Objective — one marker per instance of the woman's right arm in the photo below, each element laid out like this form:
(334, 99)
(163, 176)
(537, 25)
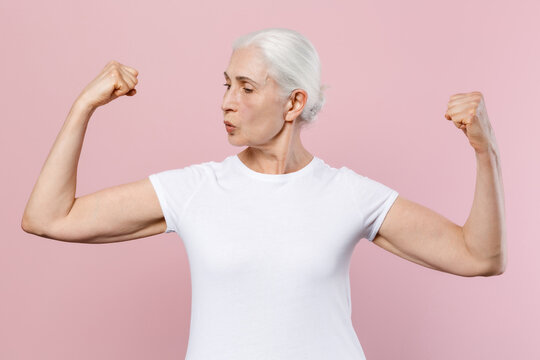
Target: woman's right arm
(118, 213)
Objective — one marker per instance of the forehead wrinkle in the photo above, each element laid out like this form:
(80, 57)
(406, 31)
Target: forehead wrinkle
(244, 78)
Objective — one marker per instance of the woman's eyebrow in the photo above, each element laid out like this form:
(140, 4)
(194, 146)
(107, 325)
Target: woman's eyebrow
(242, 78)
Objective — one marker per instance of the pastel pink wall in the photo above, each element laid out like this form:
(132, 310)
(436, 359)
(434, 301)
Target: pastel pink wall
(391, 67)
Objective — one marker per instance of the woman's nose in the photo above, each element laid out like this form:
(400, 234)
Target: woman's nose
(228, 104)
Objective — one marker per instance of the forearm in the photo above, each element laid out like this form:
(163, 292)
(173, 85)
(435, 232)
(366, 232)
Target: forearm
(485, 228)
(54, 191)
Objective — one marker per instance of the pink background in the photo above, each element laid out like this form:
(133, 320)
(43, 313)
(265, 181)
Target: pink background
(391, 67)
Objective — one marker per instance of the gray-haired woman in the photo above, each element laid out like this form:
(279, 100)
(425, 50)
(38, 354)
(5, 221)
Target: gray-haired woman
(270, 231)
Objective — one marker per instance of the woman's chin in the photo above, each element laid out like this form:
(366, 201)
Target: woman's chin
(234, 141)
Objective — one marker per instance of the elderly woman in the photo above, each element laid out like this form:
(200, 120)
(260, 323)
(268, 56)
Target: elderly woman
(269, 232)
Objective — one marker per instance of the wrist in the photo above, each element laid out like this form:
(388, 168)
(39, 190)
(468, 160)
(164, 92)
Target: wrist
(491, 149)
(490, 154)
(82, 106)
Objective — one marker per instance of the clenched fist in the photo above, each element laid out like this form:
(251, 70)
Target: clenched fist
(114, 80)
(468, 112)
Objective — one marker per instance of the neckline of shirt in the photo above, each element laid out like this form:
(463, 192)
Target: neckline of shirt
(274, 177)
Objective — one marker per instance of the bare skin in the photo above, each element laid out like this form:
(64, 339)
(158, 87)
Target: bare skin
(421, 235)
(119, 213)
(263, 121)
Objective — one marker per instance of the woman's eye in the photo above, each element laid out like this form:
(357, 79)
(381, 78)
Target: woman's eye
(246, 89)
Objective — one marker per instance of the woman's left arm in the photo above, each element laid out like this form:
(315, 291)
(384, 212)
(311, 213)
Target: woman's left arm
(485, 228)
(421, 235)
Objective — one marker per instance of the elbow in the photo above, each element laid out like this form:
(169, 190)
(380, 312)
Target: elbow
(29, 223)
(31, 227)
(494, 273)
(492, 266)
(26, 225)
(496, 268)
(44, 230)
(500, 263)
(500, 269)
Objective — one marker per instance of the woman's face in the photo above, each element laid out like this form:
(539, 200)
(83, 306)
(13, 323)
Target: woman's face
(251, 101)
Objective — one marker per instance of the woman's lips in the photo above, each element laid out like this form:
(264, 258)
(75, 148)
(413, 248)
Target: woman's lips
(229, 128)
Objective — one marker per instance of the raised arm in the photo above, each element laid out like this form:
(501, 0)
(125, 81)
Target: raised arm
(115, 214)
(478, 248)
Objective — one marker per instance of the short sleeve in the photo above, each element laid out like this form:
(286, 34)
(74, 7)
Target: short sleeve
(373, 201)
(174, 188)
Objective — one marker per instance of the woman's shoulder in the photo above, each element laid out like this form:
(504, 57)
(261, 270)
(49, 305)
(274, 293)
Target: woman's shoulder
(343, 171)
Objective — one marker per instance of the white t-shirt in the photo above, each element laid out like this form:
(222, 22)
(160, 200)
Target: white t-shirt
(269, 256)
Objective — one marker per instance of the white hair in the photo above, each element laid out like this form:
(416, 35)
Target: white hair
(292, 62)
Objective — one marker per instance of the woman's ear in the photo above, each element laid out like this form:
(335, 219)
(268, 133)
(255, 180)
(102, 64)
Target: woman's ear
(295, 104)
